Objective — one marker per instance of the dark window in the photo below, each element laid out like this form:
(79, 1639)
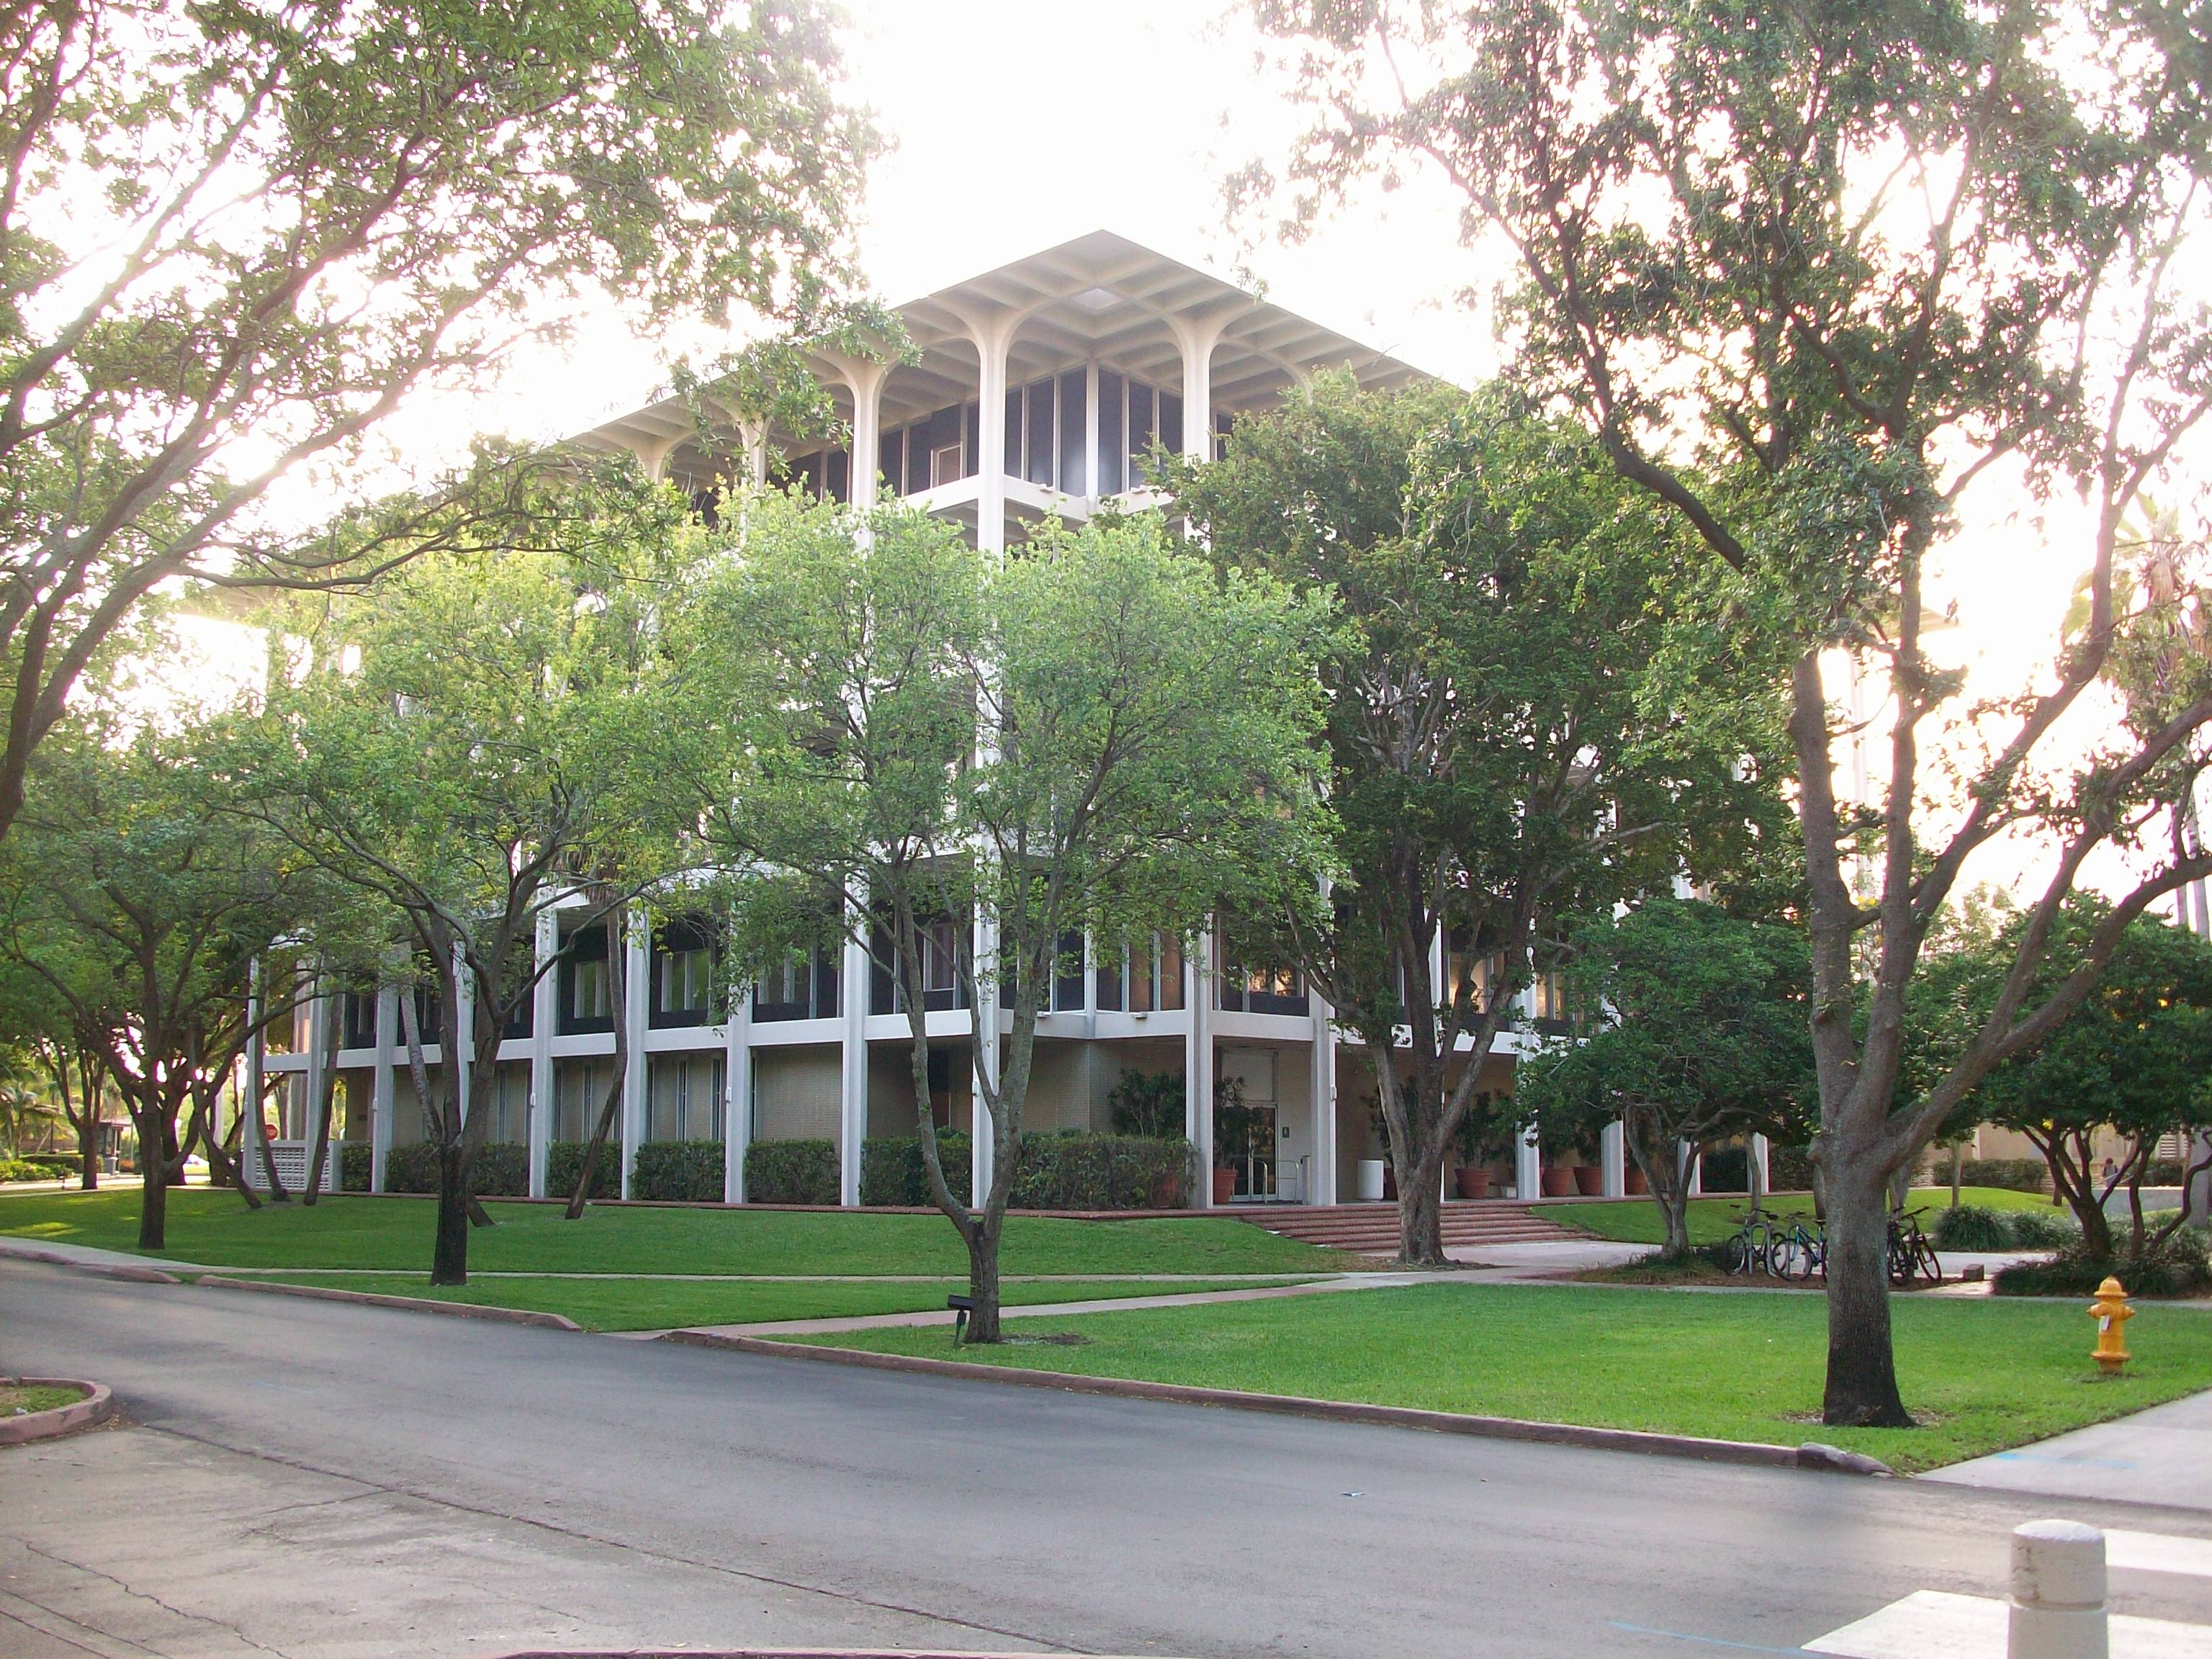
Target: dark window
(683, 970)
(1221, 421)
(429, 1018)
(1110, 454)
(1109, 984)
(1171, 423)
(586, 995)
(358, 1011)
(1073, 473)
(804, 987)
(1039, 447)
(841, 475)
(971, 440)
(1014, 433)
(1068, 975)
(1144, 423)
(520, 1017)
(806, 472)
(894, 461)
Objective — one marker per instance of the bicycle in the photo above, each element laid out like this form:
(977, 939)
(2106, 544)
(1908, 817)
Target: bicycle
(1910, 1256)
(1799, 1252)
(1752, 1248)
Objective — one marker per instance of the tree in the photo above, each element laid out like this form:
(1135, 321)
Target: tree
(1515, 736)
(1705, 1036)
(141, 909)
(462, 744)
(917, 744)
(233, 240)
(1810, 275)
(2134, 1056)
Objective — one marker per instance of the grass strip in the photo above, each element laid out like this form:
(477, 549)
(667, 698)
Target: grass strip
(600, 1304)
(1982, 1375)
(215, 1229)
(19, 1400)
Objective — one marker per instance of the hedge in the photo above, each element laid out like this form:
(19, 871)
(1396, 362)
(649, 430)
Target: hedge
(564, 1167)
(1079, 1171)
(891, 1169)
(39, 1166)
(501, 1171)
(1725, 1169)
(682, 1171)
(2019, 1175)
(1790, 1169)
(356, 1167)
(791, 1172)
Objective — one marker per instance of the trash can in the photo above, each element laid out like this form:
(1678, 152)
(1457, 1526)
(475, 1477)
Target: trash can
(1370, 1181)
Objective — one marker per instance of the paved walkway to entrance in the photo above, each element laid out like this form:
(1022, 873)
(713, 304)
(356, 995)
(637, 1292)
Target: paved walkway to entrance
(2162, 1455)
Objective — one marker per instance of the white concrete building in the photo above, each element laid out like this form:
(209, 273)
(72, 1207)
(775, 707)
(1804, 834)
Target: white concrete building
(1038, 387)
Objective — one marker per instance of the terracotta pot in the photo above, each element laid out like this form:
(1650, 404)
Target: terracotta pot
(1558, 1183)
(1589, 1180)
(1474, 1180)
(1635, 1183)
(1224, 1186)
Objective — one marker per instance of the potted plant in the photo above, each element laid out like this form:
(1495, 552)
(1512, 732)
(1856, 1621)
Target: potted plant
(1233, 1123)
(1589, 1172)
(1481, 1137)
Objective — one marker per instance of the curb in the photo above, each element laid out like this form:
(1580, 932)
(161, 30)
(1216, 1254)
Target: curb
(769, 1653)
(407, 1304)
(1810, 1456)
(97, 1406)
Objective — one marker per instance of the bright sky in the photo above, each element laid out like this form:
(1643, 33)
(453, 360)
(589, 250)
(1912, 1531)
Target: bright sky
(1019, 123)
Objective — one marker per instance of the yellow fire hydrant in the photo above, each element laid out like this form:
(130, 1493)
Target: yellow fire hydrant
(2111, 1313)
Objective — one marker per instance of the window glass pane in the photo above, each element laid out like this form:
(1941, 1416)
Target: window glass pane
(1171, 423)
(1143, 423)
(1221, 420)
(1039, 448)
(894, 464)
(841, 475)
(1110, 454)
(1072, 425)
(1014, 433)
(970, 435)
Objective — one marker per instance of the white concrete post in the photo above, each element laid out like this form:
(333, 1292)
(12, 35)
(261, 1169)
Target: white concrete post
(853, 1069)
(1613, 1158)
(544, 1015)
(321, 1010)
(1689, 1168)
(1528, 1165)
(1321, 1188)
(635, 942)
(2057, 1608)
(384, 1100)
(993, 337)
(1195, 337)
(1756, 1162)
(983, 1149)
(1198, 1065)
(865, 379)
(459, 1046)
(249, 1143)
(737, 1091)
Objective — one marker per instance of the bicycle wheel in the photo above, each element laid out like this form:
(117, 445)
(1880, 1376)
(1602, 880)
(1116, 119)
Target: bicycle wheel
(1926, 1262)
(1736, 1254)
(1782, 1258)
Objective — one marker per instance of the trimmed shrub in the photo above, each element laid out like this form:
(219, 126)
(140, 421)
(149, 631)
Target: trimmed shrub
(564, 1167)
(686, 1171)
(500, 1171)
(2019, 1175)
(2036, 1230)
(2180, 1269)
(791, 1172)
(891, 1171)
(1075, 1170)
(37, 1167)
(411, 1169)
(1790, 1169)
(1969, 1227)
(356, 1166)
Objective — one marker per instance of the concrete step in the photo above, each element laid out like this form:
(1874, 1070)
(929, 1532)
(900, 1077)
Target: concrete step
(1372, 1229)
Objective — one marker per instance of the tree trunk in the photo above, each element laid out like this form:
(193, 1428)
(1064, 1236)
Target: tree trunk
(1958, 1169)
(87, 1149)
(983, 1282)
(221, 1170)
(154, 1185)
(1420, 1211)
(326, 1095)
(449, 1260)
(1862, 1389)
(275, 1186)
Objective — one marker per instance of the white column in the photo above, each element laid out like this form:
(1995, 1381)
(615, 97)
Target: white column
(993, 337)
(544, 1014)
(1528, 1165)
(636, 945)
(2058, 1590)
(865, 379)
(983, 1155)
(1195, 337)
(1757, 1162)
(1320, 1186)
(853, 1073)
(1198, 1064)
(1613, 1158)
(1688, 1168)
(460, 1044)
(249, 1143)
(383, 1099)
(1091, 430)
(737, 1092)
(321, 1010)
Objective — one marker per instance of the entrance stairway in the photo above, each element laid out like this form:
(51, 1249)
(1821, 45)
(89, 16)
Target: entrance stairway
(1372, 1229)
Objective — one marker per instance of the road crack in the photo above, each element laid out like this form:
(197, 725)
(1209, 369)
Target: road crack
(132, 1590)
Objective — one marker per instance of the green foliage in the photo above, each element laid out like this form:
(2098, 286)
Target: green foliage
(430, 186)
(2175, 1265)
(356, 1166)
(1970, 1227)
(1078, 1171)
(893, 1174)
(791, 1172)
(2022, 1174)
(685, 1171)
(564, 1168)
(1148, 1103)
(13, 1168)
(500, 1170)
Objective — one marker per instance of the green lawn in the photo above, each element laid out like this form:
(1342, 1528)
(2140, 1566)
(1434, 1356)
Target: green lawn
(646, 1305)
(395, 1233)
(1985, 1375)
(1712, 1219)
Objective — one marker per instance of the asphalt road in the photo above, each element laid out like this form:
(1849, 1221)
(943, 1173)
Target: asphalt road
(314, 1479)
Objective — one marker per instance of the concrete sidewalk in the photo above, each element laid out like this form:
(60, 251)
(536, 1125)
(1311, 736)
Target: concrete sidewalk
(2161, 1455)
